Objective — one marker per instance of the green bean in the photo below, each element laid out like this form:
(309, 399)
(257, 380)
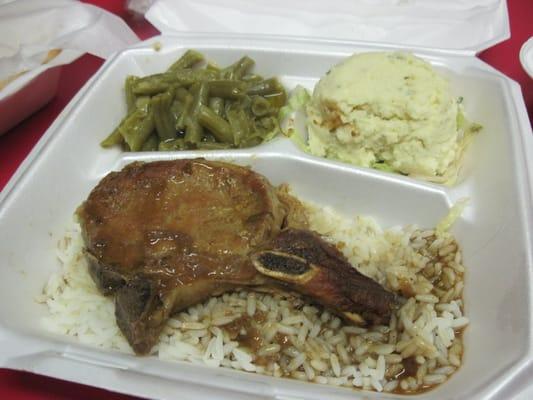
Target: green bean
(151, 144)
(164, 120)
(208, 138)
(192, 106)
(213, 67)
(227, 89)
(189, 76)
(187, 60)
(182, 93)
(218, 126)
(260, 106)
(217, 105)
(251, 141)
(188, 100)
(239, 124)
(201, 98)
(136, 128)
(243, 66)
(170, 145)
(271, 90)
(244, 103)
(276, 100)
(175, 109)
(193, 129)
(153, 84)
(267, 124)
(239, 69)
(211, 146)
(269, 86)
(252, 79)
(130, 96)
(114, 138)
(142, 103)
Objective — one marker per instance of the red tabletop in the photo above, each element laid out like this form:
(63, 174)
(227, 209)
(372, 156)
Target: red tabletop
(17, 143)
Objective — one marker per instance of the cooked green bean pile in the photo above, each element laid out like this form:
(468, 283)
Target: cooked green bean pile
(189, 107)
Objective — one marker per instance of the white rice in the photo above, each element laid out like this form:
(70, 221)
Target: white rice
(280, 335)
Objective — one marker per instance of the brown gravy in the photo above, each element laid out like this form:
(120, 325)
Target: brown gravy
(410, 369)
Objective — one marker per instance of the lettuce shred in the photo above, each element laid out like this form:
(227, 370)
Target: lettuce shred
(293, 116)
(455, 212)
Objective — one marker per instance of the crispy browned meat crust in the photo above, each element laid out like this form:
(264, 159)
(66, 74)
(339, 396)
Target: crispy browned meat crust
(302, 261)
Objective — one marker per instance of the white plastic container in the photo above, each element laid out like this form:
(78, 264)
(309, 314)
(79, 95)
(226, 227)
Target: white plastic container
(35, 94)
(526, 56)
(71, 27)
(495, 230)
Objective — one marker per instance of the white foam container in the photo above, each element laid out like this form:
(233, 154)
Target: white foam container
(73, 27)
(495, 230)
(526, 56)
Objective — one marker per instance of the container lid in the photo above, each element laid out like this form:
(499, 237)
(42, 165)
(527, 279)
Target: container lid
(457, 25)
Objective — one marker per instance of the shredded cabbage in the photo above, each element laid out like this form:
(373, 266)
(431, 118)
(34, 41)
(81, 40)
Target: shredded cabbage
(293, 117)
(455, 212)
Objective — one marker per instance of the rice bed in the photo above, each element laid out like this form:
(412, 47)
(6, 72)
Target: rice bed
(280, 335)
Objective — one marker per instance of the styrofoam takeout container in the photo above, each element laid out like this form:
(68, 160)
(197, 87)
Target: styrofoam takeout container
(526, 56)
(74, 28)
(36, 92)
(495, 230)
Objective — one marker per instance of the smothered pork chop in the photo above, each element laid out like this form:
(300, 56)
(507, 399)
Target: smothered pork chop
(165, 235)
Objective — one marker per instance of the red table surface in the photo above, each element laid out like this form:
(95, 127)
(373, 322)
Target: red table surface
(17, 143)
